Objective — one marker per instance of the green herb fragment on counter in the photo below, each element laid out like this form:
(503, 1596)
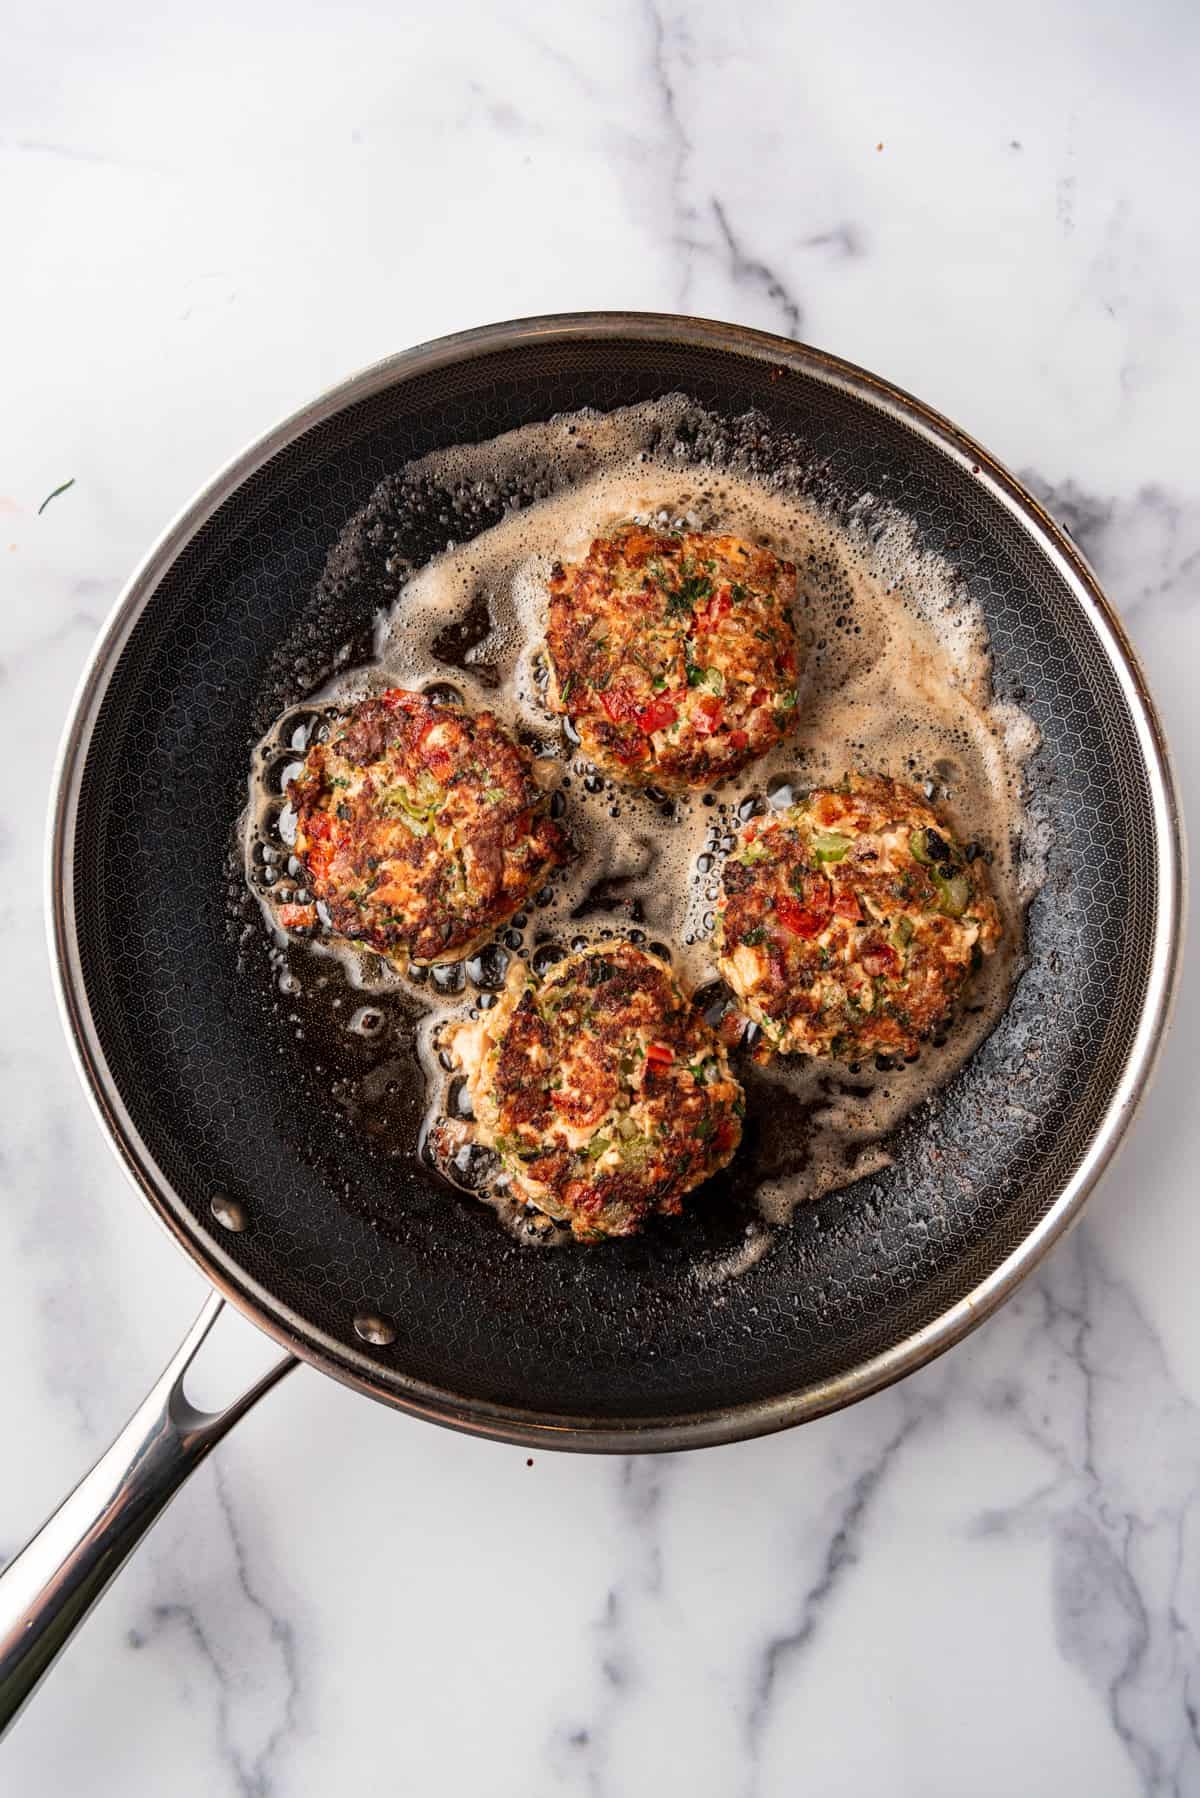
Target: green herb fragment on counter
(55, 494)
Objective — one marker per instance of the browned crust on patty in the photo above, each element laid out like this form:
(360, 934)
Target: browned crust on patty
(422, 827)
(674, 654)
(602, 1089)
(848, 923)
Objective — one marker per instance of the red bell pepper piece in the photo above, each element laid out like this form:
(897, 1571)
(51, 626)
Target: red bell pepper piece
(656, 716)
(710, 713)
(296, 917)
(798, 918)
(620, 704)
(715, 610)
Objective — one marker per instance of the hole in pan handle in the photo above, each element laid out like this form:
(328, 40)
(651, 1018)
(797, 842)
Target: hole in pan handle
(48, 1589)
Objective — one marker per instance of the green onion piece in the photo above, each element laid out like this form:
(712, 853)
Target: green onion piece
(415, 816)
(903, 932)
(829, 845)
(919, 845)
(953, 894)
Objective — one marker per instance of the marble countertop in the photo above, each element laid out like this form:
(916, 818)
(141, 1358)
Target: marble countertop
(985, 1580)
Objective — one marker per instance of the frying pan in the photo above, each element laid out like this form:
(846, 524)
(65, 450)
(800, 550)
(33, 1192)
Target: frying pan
(364, 1265)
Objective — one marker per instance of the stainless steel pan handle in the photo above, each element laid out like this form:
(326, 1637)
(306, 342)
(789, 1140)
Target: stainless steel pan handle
(48, 1589)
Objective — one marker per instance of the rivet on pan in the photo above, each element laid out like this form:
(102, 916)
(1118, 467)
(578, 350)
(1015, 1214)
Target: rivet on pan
(229, 1212)
(376, 1330)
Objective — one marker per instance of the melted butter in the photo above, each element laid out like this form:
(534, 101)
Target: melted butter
(896, 679)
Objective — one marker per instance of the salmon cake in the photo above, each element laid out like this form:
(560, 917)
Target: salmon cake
(421, 828)
(849, 922)
(601, 1088)
(674, 654)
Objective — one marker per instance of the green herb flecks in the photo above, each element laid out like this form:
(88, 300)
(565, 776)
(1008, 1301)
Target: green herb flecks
(691, 589)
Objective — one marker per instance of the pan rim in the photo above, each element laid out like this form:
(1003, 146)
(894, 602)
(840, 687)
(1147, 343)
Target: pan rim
(509, 1423)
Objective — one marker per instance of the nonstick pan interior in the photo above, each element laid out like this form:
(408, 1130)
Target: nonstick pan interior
(217, 1089)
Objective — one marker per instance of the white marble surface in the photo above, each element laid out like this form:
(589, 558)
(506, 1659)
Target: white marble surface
(986, 1581)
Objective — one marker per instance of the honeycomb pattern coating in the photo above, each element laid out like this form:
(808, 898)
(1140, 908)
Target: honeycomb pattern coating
(204, 1048)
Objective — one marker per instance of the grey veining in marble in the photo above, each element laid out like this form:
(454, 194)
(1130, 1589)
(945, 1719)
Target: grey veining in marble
(985, 1581)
